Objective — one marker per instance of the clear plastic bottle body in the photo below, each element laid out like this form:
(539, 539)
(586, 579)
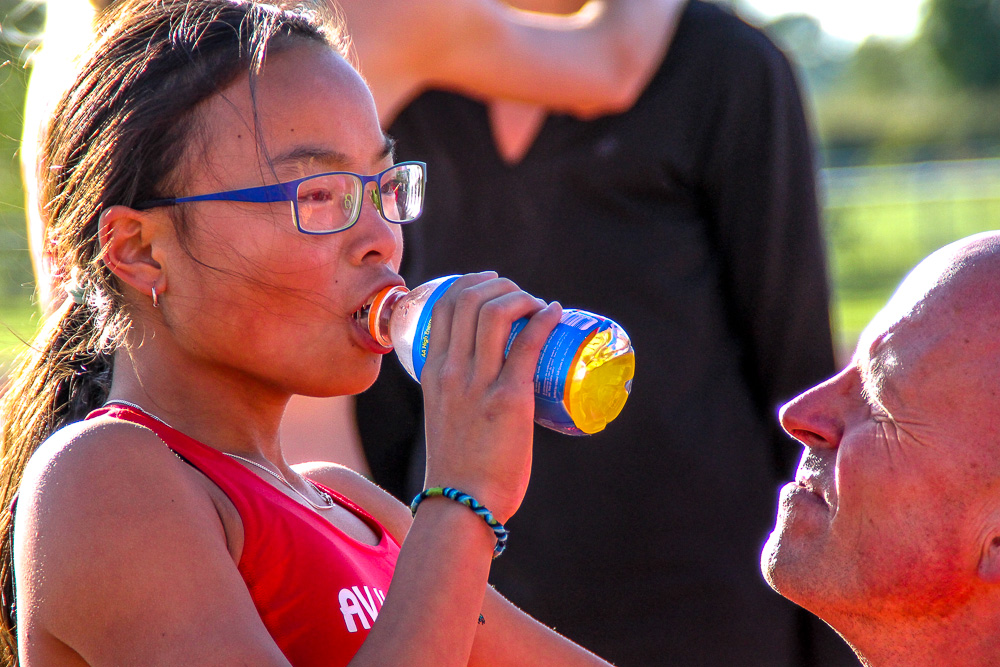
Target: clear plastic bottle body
(584, 372)
(405, 316)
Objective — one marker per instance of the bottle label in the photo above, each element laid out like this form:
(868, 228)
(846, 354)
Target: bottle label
(556, 365)
(422, 338)
(557, 362)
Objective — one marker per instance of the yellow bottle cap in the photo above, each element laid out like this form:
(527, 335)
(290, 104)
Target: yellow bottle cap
(601, 380)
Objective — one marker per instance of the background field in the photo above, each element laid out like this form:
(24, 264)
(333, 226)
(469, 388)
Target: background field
(880, 220)
(17, 315)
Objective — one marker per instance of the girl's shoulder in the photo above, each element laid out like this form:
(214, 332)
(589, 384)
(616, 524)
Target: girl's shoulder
(102, 447)
(116, 536)
(103, 475)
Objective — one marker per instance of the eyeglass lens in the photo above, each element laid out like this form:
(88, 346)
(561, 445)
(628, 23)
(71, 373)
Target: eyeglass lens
(332, 202)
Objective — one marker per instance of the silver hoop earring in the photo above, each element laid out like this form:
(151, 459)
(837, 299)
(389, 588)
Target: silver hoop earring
(156, 301)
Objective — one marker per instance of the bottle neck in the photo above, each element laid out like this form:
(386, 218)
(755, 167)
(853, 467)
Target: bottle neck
(381, 311)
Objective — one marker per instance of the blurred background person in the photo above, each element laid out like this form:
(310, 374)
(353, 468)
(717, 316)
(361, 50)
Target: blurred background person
(691, 219)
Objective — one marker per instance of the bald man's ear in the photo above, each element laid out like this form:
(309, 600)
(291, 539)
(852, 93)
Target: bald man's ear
(989, 559)
(127, 239)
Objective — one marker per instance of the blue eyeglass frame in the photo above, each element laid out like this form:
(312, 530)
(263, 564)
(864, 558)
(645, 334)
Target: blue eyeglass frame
(279, 192)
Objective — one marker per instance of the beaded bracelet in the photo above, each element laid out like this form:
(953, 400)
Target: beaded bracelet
(471, 503)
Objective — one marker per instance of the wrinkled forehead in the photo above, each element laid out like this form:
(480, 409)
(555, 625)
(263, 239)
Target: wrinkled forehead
(940, 326)
(909, 314)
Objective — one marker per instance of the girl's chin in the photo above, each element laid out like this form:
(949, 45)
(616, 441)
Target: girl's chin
(342, 384)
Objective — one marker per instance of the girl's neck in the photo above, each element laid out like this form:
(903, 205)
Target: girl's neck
(217, 411)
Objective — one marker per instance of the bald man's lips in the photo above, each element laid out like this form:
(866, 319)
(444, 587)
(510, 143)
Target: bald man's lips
(814, 490)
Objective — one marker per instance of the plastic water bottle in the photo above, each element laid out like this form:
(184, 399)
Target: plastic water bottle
(584, 372)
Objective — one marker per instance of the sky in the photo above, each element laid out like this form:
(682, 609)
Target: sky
(851, 20)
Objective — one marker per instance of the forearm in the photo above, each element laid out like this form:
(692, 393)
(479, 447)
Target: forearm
(596, 61)
(507, 637)
(433, 605)
(511, 637)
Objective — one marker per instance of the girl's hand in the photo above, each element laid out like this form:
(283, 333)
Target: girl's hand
(480, 407)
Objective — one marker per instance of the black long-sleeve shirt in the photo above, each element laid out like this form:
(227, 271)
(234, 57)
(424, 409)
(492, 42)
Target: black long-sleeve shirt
(692, 221)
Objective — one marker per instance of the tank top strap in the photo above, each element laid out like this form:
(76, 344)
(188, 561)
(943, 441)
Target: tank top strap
(197, 454)
(252, 496)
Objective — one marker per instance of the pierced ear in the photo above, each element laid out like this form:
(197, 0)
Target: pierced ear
(126, 237)
(989, 559)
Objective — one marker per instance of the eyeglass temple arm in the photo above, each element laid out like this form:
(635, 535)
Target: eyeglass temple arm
(262, 194)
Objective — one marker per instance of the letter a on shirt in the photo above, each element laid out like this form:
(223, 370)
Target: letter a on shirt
(350, 607)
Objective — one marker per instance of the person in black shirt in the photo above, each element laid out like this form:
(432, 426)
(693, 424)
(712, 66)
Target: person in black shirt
(692, 220)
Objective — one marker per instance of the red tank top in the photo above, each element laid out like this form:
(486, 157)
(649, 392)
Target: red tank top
(317, 590)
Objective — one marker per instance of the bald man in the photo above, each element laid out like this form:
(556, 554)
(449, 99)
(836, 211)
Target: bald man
(891, 530)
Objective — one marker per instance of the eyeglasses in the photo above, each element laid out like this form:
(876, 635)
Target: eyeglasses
(331, 202)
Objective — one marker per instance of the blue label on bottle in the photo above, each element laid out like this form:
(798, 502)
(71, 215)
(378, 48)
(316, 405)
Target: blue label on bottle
(555, 362)
(555, 365)
(423, 336)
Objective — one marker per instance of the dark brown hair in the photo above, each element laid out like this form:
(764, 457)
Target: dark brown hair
(117, 136)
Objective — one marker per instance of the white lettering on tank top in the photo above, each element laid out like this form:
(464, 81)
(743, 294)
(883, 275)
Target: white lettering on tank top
(363, 605)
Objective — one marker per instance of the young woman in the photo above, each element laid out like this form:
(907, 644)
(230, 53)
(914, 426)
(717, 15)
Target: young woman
(222, 201)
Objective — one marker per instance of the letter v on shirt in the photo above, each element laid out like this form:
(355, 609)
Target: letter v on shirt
(354, 603)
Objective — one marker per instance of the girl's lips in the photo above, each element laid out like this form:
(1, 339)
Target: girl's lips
(360, 317)
(365, 339)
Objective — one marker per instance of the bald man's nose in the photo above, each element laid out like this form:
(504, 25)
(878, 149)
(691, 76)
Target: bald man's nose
(816, 417)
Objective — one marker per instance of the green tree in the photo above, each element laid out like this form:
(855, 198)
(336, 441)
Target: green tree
(965, 36)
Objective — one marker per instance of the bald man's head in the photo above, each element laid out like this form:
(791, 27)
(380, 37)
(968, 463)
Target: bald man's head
(959, 284)
(895, 511)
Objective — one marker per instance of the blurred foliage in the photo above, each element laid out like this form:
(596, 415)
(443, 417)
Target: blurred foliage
(18, 23)
(909, 141)
(887, 101)
(965, 35)
(907, 126)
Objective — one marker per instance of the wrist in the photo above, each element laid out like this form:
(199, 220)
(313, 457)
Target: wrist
(473, 506)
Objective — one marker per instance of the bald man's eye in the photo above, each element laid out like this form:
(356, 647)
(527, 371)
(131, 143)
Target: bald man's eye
(875, 407)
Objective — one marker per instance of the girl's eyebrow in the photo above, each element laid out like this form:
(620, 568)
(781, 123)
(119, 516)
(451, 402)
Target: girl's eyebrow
(305, 154)
(333, 158)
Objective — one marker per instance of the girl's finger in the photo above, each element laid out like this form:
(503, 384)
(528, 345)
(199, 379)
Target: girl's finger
(442, 311)
(496, 319)
(524, 350)
(464, 321)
